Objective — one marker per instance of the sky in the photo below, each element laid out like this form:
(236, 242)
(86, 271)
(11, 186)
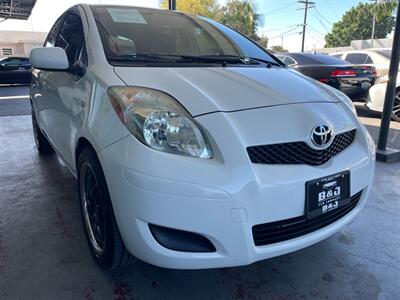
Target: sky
(281, 19)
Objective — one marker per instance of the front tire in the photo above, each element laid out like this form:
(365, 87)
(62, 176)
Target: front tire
(396, 106)
(41, 142)
(101, 228)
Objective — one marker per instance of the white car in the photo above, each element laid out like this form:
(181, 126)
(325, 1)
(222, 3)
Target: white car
(377, 94)
(375, 57)
(193, 147)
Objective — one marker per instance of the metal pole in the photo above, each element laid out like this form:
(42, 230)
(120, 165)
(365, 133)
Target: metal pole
(373, 25)
(172, 4)
(304, 25)
(391, 86)
(306, 7)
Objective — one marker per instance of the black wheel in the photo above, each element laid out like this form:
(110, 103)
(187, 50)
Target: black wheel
(396, 106)
(101, 229)
(42, 144)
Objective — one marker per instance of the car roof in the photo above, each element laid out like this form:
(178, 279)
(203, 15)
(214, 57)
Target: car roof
(314, 58)
(302, 54)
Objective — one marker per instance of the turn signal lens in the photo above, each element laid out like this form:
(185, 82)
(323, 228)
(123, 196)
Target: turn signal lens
(159, 121)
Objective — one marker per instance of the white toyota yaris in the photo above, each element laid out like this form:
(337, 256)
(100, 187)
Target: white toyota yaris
(193, 147)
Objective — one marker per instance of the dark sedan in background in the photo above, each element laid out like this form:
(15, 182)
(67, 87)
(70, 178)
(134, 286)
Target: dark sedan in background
(352, 80)
(15, 70)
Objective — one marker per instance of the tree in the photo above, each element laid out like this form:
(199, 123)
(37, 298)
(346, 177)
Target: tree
(206, 8)
(278, 49)
(356, 24)
(261, 40)
(241, 16)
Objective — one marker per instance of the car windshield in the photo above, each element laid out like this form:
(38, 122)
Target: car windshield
(385, 53)
(140, 35)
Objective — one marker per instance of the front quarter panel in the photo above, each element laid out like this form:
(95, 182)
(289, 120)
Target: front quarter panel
(93, 116)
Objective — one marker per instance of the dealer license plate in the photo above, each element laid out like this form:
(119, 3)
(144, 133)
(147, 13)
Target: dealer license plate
(327, 194)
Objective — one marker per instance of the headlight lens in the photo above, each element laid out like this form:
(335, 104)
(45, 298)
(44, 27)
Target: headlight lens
(159, 121)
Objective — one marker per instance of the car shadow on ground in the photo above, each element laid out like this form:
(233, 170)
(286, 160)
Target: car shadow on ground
(365, 112)
(372, 121)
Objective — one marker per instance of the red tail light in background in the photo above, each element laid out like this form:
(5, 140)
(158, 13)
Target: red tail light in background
(343, 73)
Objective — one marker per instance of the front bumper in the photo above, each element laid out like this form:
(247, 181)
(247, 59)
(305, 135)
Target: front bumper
(376, 97)
(220, 199)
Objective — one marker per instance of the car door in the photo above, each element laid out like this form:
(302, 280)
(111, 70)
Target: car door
(12, 70)
(39, 86)
(64, 91)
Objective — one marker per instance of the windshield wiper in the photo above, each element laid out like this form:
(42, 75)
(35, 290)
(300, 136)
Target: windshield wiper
(249, 60)
(213, 59)
(145, 57)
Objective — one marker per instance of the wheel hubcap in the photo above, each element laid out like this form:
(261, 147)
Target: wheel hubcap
(396, 106)
(92, 208)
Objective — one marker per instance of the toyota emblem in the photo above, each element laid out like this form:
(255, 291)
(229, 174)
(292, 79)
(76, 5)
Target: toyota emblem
(321, 136)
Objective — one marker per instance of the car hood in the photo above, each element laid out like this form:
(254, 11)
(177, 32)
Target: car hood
(214, 89)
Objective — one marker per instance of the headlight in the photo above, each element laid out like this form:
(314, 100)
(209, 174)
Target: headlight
(159, 121)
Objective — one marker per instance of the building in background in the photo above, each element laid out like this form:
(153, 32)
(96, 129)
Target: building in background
(20, 43)
(359, 45)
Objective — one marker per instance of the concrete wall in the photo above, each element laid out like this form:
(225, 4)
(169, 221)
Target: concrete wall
(359, 45)
(20, 49)
(22, 42)
(7, 45)
(29, 46)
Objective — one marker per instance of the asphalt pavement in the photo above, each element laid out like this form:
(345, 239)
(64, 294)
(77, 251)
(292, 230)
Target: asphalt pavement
(14, 100)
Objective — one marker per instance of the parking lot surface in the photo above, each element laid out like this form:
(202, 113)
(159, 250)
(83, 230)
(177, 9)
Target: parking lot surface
(44, 255)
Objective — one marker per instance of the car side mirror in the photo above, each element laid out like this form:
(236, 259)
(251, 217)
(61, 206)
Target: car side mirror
(49, 59)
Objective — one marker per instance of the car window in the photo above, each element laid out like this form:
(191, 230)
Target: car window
(369, 60)
(304, 59)
(280, 57)
(289, 61)
(51, 37)
(385, 53)
(130, 32)
(13, 62)
(356, 58)
(70, 37)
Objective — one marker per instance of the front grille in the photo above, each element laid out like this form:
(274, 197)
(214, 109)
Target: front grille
(299, 152)
(269, 233)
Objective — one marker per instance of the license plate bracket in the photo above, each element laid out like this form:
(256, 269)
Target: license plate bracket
(327, 194)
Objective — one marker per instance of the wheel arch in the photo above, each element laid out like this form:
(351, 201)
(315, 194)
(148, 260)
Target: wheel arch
(82, 143)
